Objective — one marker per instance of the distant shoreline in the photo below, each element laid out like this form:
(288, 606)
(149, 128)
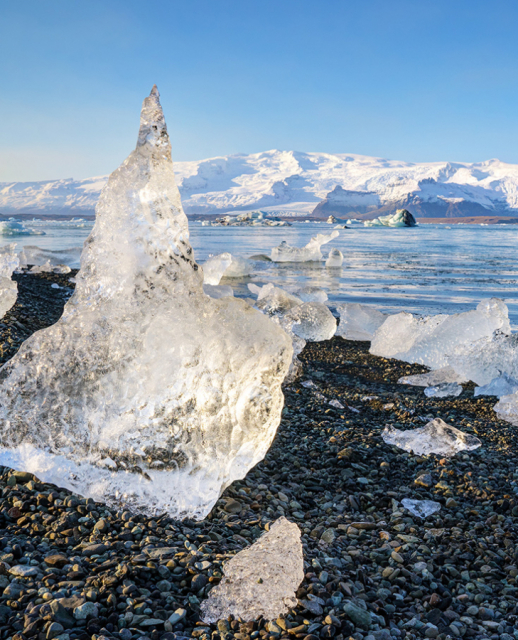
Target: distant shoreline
(471, 220)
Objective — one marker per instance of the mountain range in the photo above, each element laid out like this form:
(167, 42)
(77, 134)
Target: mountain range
(297, 183)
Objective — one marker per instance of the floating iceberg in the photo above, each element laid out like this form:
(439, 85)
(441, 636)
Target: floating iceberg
(33, 255)
(273, 300)
(335, 258)
(8, 288)
(261, 580)
(402, 218)
(311, 321)
(432, 340)
(146, 392)
(443, 390)
(310, 253)
(433, 378)
(311, 294)
(504, 385)
(358, 321)
(421, 508)
(13, 228)
(435, 437)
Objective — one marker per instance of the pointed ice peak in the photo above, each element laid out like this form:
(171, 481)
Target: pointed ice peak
(153, 129)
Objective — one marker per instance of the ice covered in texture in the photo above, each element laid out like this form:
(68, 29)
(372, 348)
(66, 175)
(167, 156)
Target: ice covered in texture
(311, 294)
(335, 258)
(273, 300)
(433, 378)
(435, 437)
(358, 321)
(504, 385)
(311, 321)
(8, 287)
(432, 340)
(215, 267)
(146, 392)
(310, 253)
(34, 255)
(239, 267)
(507, 408)
(260, 580)
(443, 390)
(421, 508)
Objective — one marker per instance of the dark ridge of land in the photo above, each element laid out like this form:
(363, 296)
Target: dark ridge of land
(471, 220)
(372, 570)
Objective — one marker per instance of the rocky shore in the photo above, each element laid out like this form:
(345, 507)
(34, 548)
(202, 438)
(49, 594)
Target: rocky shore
(72, 569)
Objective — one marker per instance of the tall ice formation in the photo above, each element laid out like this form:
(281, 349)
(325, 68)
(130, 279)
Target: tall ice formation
(9, 261)
(146, 392)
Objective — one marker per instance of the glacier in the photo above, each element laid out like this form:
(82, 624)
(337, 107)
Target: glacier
(146, 393)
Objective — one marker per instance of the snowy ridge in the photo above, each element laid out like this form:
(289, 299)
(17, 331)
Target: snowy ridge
(296, 181)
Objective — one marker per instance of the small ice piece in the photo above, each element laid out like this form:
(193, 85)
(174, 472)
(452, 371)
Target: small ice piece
(215, 267)
(61, 268)
(358, 321)
(217, 291)
(9, 262)
(335, 258)
(435, 437)
(337, 404)
(311, 294)
(310, 253)
(507, 408)
(309, 384)
(42, 268)
(182, 392)
(239, 268)
(34, 255)
(273, 300)
(504, 385)
(433, 378)
(443, 390)
(421, 508)
(433, 340)
(311, 321)
(55, 286)
(260, 580)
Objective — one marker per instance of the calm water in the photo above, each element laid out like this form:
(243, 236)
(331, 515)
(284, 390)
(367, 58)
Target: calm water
(429, 269)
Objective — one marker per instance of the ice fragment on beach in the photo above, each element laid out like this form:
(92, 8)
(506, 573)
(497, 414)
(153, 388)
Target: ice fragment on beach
(421, 508)
(432, 340)
(260, 580)
(335, 258)
(337, 404)
(435, 437)
(9, 262)
(311, 321)
(443, 390)
(358, 321)
(433, 378)
(486, 359)
(311, 294)
(273, 300)
(34, 255)
(507, 408)
(504, 385)
(309, 384)
(215, 267)
(180, 391)
(310, 253)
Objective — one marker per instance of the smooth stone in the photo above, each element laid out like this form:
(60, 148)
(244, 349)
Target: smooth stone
(356, 614)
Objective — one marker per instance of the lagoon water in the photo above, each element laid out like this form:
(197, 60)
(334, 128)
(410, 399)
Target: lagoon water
(427, 269)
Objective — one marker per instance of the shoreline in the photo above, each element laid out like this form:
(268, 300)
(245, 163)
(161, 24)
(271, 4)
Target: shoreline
(372, 570)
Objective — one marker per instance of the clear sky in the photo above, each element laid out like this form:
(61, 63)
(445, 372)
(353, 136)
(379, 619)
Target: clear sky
(402, 79)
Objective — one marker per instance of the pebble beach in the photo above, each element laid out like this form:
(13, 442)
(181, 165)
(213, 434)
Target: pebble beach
(70, 568)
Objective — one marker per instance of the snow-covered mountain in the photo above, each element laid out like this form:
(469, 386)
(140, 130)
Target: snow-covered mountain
(292, 181)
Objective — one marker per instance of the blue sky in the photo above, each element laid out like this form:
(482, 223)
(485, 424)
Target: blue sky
(410, 80)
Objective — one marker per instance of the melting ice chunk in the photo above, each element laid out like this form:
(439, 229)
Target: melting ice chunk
(273, 300)
(311, 294)
(311, 321)
(358, 321)
(504, 385)
(217, 291)
(31, 254)
(435, 437)
(180, 391)
(9, 262)
(239, 268)
(433, 378)
(507, 408)
(261, 580)
(421, 508)
(486, 359)
(443, 390)
(310, 253)
(335, 258)
(215, 267)
(432, 340)
(337, 404)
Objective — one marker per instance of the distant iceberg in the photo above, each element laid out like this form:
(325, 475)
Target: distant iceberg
(12, 227)
(402, 218)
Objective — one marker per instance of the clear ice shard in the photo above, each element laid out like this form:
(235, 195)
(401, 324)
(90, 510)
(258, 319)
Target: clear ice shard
(239, 268)
(260, 580)
(507, 408)
(433, 340)
(433, 378)
(421, 508)
(273, 301)
(504, 385)
(310, 253)
(435, 437)
(443, 390)
(146, 393)
(335, 258)
(9, 262)
(215, 267)
(311, 321)
(311, 294)
(358, 321)
(36, 256)
(217, 291)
